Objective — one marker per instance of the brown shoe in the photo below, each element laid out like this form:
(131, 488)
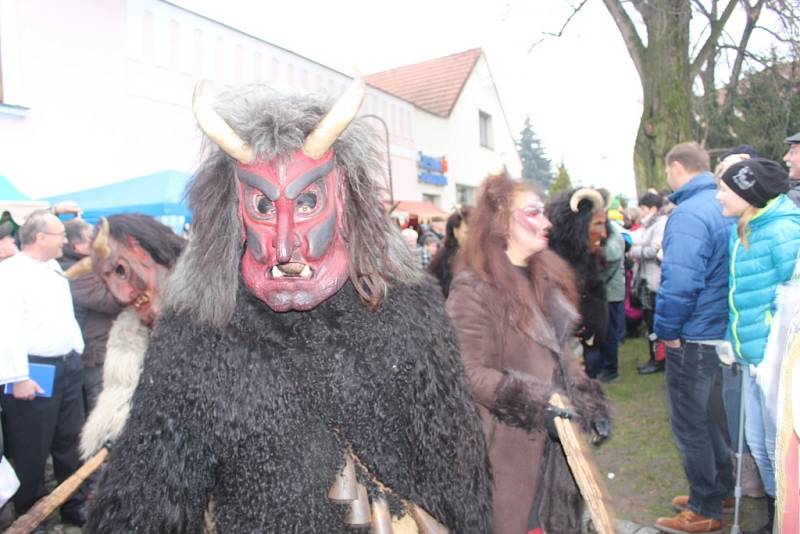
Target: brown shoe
(681, 502)
(689, 522)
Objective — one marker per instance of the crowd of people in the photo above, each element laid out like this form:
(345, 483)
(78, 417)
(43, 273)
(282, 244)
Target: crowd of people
(294, 344)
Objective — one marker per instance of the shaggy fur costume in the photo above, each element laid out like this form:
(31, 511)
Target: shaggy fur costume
(569, 238)
(257, 414)
(127, 343)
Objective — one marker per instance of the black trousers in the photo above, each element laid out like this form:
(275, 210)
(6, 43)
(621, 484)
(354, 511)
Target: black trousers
(34, 429)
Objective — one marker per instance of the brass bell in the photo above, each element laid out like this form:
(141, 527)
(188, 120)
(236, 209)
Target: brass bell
(344, 489)
(359, 516)
(426, 523)
(381, 517)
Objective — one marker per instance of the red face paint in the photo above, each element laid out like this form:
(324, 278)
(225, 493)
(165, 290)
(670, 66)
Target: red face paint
(292, 212)
(530, 217)
(133, 278)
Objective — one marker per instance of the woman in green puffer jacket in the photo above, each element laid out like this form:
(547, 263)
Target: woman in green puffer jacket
(763, 251)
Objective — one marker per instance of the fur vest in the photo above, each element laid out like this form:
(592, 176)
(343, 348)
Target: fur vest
(257, 415)
(127, 343)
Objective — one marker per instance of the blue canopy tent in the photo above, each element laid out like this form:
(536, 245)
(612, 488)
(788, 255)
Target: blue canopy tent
(15, 203)
(159, 194)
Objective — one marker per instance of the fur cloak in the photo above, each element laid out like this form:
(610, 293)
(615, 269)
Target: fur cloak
(257, 414)
(127, 343)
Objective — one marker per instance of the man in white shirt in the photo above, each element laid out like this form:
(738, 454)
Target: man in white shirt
(38, 326)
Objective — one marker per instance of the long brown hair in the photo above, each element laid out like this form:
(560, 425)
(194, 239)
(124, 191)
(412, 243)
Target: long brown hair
(484, 253)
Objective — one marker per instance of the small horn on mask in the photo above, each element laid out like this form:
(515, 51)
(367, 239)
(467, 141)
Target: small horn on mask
(79, 268)
(381, 517)
(586, 193)
(335, 121)
(218, 130)
(100, 243)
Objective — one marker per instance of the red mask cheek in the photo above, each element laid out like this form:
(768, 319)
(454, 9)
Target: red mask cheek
(530, 223)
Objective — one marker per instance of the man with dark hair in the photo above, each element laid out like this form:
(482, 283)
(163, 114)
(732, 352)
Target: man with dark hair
(95, 308)
(691, 319)
(41, 349)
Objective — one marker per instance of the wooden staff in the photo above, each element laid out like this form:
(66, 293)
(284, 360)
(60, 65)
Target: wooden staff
(581, 463)
(47, 504)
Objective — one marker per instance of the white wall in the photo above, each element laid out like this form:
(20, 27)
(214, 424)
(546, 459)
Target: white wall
(458, 137)
(108, 87)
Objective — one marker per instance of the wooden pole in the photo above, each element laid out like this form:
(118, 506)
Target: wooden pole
(47, 504)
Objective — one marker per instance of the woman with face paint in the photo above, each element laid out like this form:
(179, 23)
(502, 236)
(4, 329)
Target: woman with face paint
(513, 303)
(763, 250)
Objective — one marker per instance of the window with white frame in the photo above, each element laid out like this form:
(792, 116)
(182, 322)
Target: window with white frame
(465, 195)
(485, 122)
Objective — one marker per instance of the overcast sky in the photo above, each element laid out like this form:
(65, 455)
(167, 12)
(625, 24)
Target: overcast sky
(580, 90)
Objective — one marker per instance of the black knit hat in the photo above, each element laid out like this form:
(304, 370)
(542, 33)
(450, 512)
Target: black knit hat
(757, 180)
(6, 229)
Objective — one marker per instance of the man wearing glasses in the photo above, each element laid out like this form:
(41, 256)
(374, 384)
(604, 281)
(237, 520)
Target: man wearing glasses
(41, 364)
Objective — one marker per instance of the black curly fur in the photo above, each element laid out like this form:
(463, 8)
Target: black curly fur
(589, 401)
(257, 415)
(569, 238)
(522, 401)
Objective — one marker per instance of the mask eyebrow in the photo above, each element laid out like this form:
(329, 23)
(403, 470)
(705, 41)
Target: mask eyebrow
(254, 180)
(296, 187)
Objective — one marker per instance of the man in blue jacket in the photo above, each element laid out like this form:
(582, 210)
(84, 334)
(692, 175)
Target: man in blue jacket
(691, 318)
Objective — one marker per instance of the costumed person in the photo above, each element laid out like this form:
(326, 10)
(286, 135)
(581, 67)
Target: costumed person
(579, 231)
(763, 249)
(282, 363)
(133, 255)
(513, 303)
(441, 266)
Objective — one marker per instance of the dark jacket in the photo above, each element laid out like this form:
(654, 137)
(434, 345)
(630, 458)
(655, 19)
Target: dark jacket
(692, 301)
(513, 374)
(95, 310)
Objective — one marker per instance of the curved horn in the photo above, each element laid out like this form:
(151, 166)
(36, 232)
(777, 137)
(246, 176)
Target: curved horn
(100, 243)
(586, 193)
(335, 121)
(79, 268)
(218, 130)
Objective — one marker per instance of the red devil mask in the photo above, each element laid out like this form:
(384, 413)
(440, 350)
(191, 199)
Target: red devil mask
(292, 210)
(132, 276)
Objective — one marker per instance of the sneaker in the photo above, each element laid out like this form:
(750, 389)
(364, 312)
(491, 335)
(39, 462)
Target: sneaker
(689, 522)
(650, 368)
(681, 502)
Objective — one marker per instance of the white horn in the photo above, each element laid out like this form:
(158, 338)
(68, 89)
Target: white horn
(335, 121)
(218, 130)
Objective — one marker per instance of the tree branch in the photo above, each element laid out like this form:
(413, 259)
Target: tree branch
(753, 14)
(711, 43)
(566, 23)
(629, 34)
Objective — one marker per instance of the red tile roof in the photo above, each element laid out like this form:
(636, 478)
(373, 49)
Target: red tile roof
(432, 85)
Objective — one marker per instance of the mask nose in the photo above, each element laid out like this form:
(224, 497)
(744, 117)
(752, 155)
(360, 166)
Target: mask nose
(284, 238)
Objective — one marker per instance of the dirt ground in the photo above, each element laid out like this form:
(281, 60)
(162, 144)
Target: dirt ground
(641, 463)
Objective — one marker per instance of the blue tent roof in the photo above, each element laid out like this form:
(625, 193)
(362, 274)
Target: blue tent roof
(9, 192)
(159, 194)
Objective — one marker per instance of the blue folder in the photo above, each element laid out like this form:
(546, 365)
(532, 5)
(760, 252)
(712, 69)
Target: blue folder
(43, 374)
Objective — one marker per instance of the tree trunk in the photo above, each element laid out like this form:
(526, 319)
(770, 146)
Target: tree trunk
(666, 87)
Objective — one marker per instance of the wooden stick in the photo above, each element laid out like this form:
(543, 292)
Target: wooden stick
(583, 468)
(47, 504)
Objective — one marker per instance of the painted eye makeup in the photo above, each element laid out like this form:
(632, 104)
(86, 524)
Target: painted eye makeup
(263, 206)
(533, 210)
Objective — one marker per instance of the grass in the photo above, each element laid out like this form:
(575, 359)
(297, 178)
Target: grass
(646, 467)
(641, 453)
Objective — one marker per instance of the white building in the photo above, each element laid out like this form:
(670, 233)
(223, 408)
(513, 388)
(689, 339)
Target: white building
(458, 115)
(98, 91)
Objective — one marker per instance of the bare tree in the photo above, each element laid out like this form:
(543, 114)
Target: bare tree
(658, 37)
